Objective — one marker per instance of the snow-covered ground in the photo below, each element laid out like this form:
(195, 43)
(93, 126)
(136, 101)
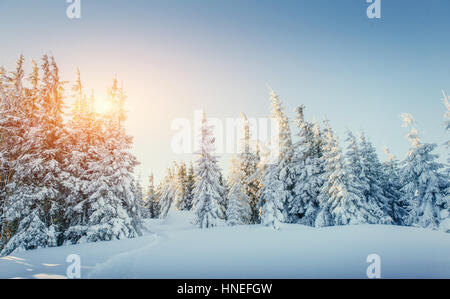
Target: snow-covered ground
(173, 248)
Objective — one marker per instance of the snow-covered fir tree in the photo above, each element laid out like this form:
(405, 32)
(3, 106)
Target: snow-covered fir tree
(423, 184)
(182, 200)
(445, 214)
(18, 105)
(223, 195)
(392, 188)
(36, 197)
(167, 192)
(272, 197)
(362, 173)
(342, 201)
(12, 124)
(308, 172)
(115, 213)
(139, 195)
(447, 118)
(373, 177)
(208, 191)
(238, 205)
(84, 138)
(285, 169)
(264, 165)
(151, 199)
(248, 161)
(190, 187)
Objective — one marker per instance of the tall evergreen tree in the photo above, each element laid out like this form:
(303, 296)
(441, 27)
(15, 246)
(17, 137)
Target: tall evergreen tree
(308, 172)
(36, 197)
(366, 177)
(248, 163)
(392, 188)
(445, 214)
(423, 184)
(223, 197)
(342, 202)
(115, 213)
(447, 119)
(190, 187)
(181, 188)
(11, 136)
(271, 203)
(167, 194)
(208, 191)
(152, 199)
(284, 167)
(238, 204)
(373, 175)
(139, 196)
(84, 139)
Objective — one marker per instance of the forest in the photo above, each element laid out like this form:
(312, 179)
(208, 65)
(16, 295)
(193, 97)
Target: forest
(68, 178)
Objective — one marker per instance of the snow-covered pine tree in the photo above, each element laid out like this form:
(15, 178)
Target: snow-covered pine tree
(238, 204)
(392, 188)
(190, 187)
(263, 166)
(447, 119)
(342, 202)
(5, 163)
(272, 197)
(423, 185)
(167, 192)
(445, 214)
(84, 138)
(115, 213)
(249, 166)
(17, 115)
(244, 181)
(139, 195)
(152, 199)
(373, 175)
(308, 173)
(181, 188)
(36, 193)
(3, 160)
(32, 94)
(208, 191)
(323, 218)
(362, 174)
(285, 167)
(223, 195)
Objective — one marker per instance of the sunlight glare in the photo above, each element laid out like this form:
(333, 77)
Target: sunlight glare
(102, 106)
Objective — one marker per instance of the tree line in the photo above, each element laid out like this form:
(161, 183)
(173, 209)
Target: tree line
(313, 181)
(68, 178)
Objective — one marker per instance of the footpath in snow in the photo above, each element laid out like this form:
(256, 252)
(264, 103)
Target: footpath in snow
(173, 248)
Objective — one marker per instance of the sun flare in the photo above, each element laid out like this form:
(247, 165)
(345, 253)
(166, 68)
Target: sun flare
(102, 106)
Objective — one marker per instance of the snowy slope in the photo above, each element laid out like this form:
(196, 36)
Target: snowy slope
(175, 249)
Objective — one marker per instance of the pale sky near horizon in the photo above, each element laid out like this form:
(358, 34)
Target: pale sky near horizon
(178, 56)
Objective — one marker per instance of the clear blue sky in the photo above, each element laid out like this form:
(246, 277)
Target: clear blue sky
(220, 55)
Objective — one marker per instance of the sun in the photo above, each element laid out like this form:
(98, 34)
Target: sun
(102, 106)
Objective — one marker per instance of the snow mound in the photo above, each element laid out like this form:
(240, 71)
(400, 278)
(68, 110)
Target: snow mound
(179, 219)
